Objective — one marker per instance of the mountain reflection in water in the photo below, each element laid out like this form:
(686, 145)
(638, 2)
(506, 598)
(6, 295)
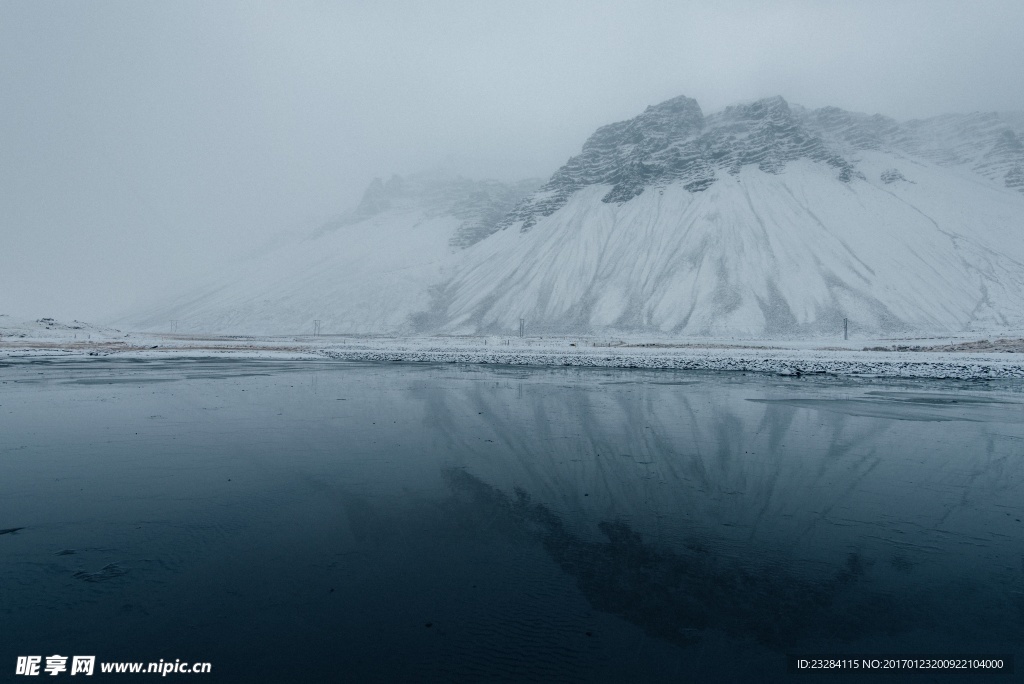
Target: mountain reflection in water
(675, 595)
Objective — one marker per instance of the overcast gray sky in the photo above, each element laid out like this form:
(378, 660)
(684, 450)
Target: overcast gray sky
(145, 142)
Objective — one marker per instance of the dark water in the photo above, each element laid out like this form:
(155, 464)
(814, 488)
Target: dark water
(314, 522)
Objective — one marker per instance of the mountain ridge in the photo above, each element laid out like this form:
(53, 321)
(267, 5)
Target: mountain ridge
(762, 219)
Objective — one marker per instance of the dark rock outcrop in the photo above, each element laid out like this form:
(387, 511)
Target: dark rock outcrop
(674, 141)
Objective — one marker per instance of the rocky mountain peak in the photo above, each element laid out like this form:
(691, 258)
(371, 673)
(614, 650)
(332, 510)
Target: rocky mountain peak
(770, 109)
(673, 119)
(850, 131)
(674, 141)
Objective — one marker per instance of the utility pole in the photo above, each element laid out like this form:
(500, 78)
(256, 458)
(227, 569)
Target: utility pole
(846, 328)
(522, 326)
(316, 328)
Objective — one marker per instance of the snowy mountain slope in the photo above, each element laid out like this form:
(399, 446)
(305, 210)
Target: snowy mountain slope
(759, 254)
(369, 271)
(989, 144)
(763, 219)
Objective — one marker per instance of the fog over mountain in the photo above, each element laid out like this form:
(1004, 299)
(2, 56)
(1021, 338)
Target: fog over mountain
(146, 148)
(762, 219)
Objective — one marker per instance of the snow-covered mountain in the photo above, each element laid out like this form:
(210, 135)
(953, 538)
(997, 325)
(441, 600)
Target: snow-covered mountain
(764, 219)
(370, 270)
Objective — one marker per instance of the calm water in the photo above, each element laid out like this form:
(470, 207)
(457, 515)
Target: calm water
(314, 521)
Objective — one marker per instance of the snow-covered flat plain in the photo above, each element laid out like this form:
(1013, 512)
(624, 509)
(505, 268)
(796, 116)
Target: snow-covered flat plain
(955, 358)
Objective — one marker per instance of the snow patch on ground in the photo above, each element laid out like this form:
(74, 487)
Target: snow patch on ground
(50, 330)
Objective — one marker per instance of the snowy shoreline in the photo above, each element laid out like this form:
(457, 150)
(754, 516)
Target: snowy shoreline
(542, 353)
(964, 357)
(779, 362)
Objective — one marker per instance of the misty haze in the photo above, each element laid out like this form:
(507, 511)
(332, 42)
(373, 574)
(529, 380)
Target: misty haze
(581, 341)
